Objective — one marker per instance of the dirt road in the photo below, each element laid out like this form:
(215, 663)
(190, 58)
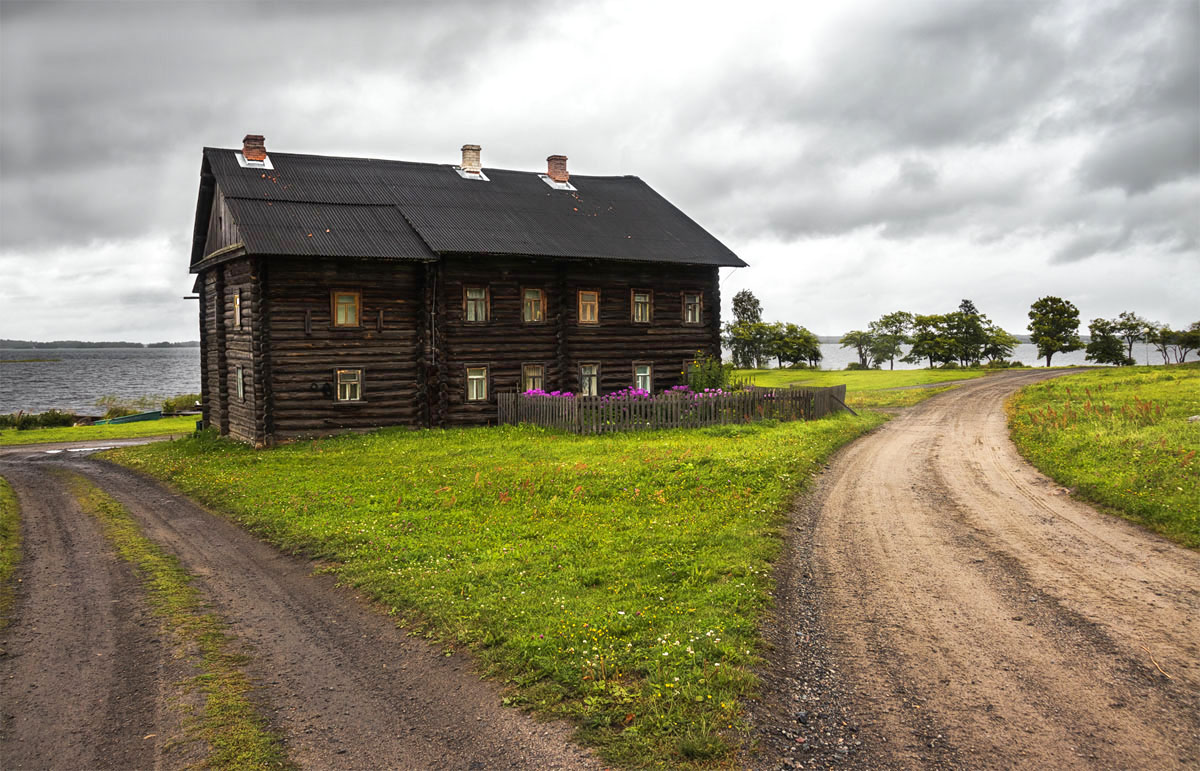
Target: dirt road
(970, 613)
(84, 682)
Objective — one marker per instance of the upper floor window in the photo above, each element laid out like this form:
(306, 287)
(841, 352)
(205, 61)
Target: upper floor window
(641, 306)
(477, 388)
(589, 379)
(346, 308)
(589, 306)
(349, 385)
(691, 308)
(643, 377)
(475, 299)
(237, 309)
(533, 377)
(533, 305)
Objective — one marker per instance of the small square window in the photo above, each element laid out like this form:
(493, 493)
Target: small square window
(589, 379)
(475, 304)
(237, 309)
(641, 307)
(477, 389)
(346, 306)
(589, 307)
(691, 308)
(349, 385)
(533, 305)
(643, 377)
(533, 377)
(241, 384)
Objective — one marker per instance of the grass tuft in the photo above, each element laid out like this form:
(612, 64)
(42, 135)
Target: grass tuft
(238, 737)
(618, 580)
(1120, 438)
(10, 548)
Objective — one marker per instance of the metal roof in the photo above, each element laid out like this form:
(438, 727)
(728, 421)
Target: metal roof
(401, 210)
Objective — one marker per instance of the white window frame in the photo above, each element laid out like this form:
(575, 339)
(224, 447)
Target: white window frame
(649, 376)
(348, 385)
(592, 380)
(477, 383)
(641, 312)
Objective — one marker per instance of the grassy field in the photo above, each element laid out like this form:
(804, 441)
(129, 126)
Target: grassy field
(181, 425)
(864, 388)
(618, 581)
(10, 548)
(1120, 438)
(236, 736)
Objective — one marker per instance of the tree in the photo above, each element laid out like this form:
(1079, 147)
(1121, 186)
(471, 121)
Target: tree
(1131, 328)
(746, 307)
(1106, 346)
(1159, 336)
(889, 333)
(999, 344)
(1054, 323)
(861, 343)
(791, 344)
(1189, 340)
(929, 340)
(966, 328)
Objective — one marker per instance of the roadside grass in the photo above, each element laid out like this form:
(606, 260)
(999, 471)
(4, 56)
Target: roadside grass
(617, 581)
(237, 736)
(864, 388)
(183, 424)
(10, 548)
(1120, 438)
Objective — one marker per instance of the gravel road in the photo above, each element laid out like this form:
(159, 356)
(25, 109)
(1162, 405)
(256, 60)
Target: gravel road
(944, 605)
(85, 683)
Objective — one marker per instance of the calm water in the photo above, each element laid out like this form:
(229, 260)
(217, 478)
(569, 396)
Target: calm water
(82, 375)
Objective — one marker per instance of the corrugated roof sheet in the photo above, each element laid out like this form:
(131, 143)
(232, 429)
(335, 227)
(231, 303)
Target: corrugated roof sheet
(402, 210)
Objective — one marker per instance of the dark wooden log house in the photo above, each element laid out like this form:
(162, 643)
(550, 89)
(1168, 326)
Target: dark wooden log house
(342, 293)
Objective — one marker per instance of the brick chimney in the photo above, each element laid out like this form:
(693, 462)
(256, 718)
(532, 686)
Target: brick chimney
(470, 159)
(556, 168)
(254, 147)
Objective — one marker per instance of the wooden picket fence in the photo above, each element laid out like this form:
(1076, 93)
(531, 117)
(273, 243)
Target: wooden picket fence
(598, 415)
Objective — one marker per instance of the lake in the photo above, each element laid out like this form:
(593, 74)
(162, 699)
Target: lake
(82, 375)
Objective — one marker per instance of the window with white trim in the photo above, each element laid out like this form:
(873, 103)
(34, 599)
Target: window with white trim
(640, 306)
(643, 377)
(589, 379)
(349, 385)
(477, 387)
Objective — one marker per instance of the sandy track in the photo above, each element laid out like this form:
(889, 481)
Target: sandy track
(346, 688)
(986, 619)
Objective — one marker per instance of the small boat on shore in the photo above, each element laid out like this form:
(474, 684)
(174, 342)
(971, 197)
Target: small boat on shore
(152, 415)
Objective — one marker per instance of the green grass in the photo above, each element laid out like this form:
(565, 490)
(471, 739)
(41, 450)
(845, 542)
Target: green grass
(864, 388)
(236, 735)
(618, 581)
(1120, 438)
(10, 547)
(184, 424)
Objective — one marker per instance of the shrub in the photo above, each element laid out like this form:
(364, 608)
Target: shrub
(856, 365)
(48, 419)
(706, 372)
(181, 403)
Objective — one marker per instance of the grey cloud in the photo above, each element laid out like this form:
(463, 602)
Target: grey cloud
(1140, 158)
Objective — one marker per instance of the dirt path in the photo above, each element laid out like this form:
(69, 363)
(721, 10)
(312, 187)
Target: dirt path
(969, 613)
(347, 689)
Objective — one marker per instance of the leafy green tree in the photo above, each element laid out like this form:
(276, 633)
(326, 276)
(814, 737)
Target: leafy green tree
(861, 343)
(966, 327)
(1159, 336)
(791, 344)
(930, 340)
(746, 307)
(999, 344)
(748, 342)
(1106, 346)
(1131, 328)
(889, 333)
(1054, 323)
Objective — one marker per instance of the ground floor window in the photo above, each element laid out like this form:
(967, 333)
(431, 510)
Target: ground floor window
(589, 379)
(533, 377)
(349, 385)
(477, 390)
(642, 377)
(241, 384)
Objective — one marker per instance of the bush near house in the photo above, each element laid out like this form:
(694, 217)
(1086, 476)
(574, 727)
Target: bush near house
(1120, 438)
(616, 580)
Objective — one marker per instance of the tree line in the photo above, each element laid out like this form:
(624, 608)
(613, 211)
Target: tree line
(964, 337)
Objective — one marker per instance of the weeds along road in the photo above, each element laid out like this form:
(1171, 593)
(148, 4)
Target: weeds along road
(979, 617)
(85, 683)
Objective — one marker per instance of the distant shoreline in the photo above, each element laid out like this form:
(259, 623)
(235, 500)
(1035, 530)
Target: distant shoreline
(34, 345)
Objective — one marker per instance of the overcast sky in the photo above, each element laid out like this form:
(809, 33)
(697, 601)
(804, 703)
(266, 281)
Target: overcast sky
(863, 157)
